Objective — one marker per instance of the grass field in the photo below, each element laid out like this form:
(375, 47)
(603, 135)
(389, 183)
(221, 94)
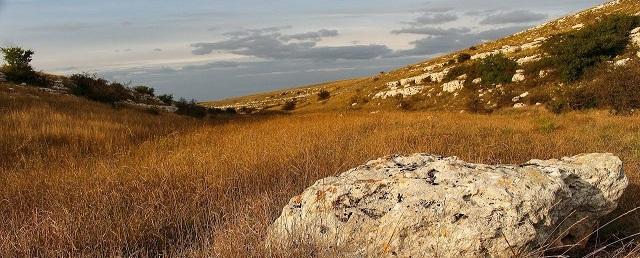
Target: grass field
(83, 179)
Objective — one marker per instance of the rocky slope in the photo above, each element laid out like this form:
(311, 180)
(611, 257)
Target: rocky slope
(430, 85)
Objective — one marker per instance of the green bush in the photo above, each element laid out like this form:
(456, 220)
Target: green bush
(463, 57)
(574, 52)
(289, 105)
(546, 125)
(324, 95)
(98, 89)
(497, 69)
(144, 90)
(190, 108)
(618, 89)
(470, 69)
(166, 98)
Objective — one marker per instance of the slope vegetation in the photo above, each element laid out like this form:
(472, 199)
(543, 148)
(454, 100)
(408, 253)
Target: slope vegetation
(540, 66)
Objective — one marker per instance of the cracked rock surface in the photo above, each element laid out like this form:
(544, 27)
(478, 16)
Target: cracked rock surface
(431, 206)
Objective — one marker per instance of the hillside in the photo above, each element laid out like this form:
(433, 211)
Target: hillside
(449, 82)
(81, 178)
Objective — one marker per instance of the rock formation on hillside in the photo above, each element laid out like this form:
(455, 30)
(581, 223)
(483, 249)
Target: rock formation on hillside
(431, 206)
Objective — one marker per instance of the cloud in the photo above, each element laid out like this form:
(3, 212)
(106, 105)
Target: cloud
(434, 31)
(213, 65)
(517, 16)
(313, 36)
(64, 27)
(435, 18)
(269, 43)
(157, 49)
(442, 9)
(247, 32)
(446, 43)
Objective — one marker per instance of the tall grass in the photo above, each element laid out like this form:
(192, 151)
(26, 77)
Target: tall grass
(121, 184)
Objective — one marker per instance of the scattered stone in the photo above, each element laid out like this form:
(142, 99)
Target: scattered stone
(519, 76)
(407, 81)
(519, 105)
(477, 80)
(521, 96)
(544, 73)
(58, 85)
(453, 86)
(404, 92)
(622, 62)
(578, 26)
(528, 59)
(438, 77)
(635, 36)
(393, 84)
(444, 207)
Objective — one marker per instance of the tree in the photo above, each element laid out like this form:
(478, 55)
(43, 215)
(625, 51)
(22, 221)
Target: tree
(144, 90)
(17, 65)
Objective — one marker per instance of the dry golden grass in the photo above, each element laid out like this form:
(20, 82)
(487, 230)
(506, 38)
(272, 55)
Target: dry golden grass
(80, 179)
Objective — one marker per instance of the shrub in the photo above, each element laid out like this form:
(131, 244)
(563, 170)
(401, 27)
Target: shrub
(572, 53)
(144, 90)
(98, 89)
(474, 104)
(573, 98)
(403, 103)
(18, 68)
(166, 98)
(618, 89)
(190, 108)
(153, 110)
(463, 57)
(546, 125)
(220, 111)
(324, 95)
(230, 110)
(247, 110)
(289, 105)
(497, 69)
(471, 70)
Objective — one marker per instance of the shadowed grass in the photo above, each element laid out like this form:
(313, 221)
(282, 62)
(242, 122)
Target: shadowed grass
(92, 181)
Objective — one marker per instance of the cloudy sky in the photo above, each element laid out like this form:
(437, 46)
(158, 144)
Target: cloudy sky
(218, 48)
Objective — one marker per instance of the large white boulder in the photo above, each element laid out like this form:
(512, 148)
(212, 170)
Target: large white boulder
(430, 206)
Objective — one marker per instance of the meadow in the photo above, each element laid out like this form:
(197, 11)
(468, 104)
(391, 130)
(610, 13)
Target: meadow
(84, 179)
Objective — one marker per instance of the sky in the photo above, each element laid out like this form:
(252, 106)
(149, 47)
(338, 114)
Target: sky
(215, 49)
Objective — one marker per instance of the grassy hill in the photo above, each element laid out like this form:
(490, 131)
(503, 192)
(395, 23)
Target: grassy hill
(542, 77)
(82, 178)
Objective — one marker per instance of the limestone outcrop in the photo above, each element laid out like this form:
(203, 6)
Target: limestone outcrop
(431, 206)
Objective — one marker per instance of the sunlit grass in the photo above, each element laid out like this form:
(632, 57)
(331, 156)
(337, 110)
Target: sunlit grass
(81, 179)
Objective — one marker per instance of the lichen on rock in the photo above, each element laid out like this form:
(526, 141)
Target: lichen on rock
(431, 206)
